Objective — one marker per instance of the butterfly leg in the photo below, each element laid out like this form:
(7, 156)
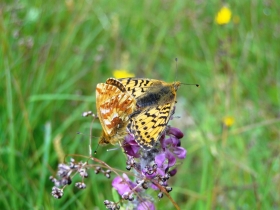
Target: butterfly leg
(94, 116)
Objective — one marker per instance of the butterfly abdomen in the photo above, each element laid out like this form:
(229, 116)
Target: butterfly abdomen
(115, 82)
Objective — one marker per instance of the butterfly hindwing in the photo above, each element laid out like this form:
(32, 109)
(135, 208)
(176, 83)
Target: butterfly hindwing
(149, 124)
(113, 109)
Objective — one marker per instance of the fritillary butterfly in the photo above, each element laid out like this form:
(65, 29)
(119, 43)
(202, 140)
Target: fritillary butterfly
(114, 106)
(155, 105)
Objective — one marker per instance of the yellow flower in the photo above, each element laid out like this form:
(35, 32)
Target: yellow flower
(121, 73)
(228, 121)
(223, 16)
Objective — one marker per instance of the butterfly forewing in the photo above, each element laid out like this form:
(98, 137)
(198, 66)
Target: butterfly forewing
(139, 86)
(150, 92)
(149, 124)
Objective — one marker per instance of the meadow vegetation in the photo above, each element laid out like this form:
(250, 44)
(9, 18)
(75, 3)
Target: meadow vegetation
(53, 53)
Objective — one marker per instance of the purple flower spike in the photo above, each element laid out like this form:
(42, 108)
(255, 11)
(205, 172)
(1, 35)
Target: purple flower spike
(151, 167)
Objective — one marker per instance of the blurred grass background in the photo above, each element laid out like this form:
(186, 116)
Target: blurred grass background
(53, 53)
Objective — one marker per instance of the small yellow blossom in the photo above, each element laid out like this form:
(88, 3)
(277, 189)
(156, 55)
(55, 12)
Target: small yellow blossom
(223, 16)
(121, 73)
(228, 121)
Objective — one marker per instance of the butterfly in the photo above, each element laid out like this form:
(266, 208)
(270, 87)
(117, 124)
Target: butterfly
(114, 106)
(155, 105)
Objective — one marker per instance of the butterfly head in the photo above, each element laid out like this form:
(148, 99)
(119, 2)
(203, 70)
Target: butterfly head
(176, 85)
(104, 139)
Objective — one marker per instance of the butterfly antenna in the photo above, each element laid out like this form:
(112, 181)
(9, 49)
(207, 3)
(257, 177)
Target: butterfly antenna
(90, 137)
(95, 151)
(86, 114)
(176, 60)
(80, 133)
(197, 85)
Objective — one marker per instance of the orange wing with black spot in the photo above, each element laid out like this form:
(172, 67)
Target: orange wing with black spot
(113, 109)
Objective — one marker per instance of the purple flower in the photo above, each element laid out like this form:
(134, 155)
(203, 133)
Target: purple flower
(152, 168)
(173, 172)
(171, 142)
(161, 163)
(159, 159)
(180, 152)
(172, 146)
(175, 132)
(123, 185)
(170, 157)
(130, 146)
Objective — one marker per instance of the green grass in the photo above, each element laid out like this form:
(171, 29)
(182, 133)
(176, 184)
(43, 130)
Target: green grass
(53, 54)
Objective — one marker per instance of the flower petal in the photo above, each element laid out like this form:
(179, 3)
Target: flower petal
(173, 172)
(180, 152)
(122, 185)
(170, 157)
(175, 141)
(146, 205)
(223, 16)
(171, 141)
(176, 132)
(131, 147)
(159, 159)
(122, 73)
